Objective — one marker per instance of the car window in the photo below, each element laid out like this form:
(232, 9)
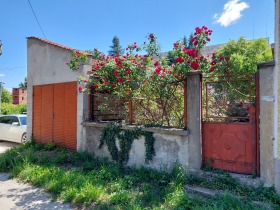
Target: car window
(14, 119)
(8, 119)
(5, 120)
(23, 120)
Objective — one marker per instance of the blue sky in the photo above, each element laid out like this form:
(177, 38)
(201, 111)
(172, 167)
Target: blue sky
(88, 24)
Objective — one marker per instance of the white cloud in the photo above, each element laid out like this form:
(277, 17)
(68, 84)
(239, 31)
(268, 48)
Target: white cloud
(231, 13)
(2, 75)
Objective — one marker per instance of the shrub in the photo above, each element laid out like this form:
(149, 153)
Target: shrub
(7, 108)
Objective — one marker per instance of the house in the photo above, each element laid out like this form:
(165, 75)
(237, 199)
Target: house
(55, 108)
(58, 113)
(19, 96)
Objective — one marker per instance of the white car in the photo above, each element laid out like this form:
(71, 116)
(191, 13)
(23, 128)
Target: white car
(13, 128)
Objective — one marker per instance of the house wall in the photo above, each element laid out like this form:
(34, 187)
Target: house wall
(46, 64)
(171, 146)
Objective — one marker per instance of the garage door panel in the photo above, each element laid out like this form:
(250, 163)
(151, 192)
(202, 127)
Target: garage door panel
(59, 114)
(55, 114)
(47, 114)
(71, 115)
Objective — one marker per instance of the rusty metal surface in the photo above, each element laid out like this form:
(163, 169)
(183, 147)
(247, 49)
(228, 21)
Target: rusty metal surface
(229, 146)
(229, 128)
(228, 98)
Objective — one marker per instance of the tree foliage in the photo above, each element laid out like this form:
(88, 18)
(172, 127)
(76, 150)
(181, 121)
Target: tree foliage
(245, 55)
(116, 48)
(6, 96)
(23, 85)
(8, 108)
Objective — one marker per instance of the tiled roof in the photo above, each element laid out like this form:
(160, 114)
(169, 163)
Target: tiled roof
(56, 44)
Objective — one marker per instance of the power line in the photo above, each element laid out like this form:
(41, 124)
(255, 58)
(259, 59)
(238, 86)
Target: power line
(37, 19)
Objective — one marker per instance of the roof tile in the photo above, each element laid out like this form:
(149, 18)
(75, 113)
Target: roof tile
(57, 45)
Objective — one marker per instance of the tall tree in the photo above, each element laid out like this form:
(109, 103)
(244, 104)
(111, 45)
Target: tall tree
(170, 58)
(185, 41)
(116, 48)
(23, 85)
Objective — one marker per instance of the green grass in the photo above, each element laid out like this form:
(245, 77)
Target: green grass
(82, 179)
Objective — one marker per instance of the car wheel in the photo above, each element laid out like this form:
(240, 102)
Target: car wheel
(23, 138)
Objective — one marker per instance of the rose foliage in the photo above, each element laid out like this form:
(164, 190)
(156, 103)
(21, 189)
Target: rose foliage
(143, 74)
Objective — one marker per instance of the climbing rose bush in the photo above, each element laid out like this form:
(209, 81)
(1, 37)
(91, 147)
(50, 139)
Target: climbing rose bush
(132, 74)
(77, 58)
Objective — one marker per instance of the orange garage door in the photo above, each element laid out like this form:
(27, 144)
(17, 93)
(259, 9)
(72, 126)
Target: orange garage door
(55, 114)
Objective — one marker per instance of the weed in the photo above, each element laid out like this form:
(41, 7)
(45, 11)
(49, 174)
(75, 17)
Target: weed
(80, 178)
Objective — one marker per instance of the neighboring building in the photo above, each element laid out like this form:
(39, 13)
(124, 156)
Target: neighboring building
(19, 96)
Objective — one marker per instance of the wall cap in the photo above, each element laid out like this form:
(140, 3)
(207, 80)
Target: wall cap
(199, 72)
(168, 131)
(266, 64)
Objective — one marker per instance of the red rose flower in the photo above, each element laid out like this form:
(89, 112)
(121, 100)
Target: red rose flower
(156, 63)
(80, 88)
(116, 73)
(179, 60)
(127, 72)
(120, 79)
(96, 86)
(195, 65)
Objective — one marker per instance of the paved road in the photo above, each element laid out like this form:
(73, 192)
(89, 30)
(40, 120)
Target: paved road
(5, 145)
(15, 195)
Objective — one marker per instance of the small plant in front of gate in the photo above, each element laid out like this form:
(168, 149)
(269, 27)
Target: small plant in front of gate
(113, 132)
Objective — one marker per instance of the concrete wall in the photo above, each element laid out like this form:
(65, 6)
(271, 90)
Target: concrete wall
(171, 146)
(194, 118)
(267, 139)
(46, 64)
(277, 89)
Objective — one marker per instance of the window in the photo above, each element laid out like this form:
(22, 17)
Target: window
(22, 98)
(22, 90)
(8, 119)
(23, 120)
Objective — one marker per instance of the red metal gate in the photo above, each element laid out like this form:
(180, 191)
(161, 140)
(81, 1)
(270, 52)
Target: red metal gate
(230, 116)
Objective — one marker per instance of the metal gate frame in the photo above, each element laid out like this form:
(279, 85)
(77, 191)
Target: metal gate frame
(253, 119)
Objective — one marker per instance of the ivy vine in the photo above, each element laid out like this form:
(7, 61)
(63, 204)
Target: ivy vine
(113, 132)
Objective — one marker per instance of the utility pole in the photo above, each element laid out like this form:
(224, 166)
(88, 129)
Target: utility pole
(1, 86)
